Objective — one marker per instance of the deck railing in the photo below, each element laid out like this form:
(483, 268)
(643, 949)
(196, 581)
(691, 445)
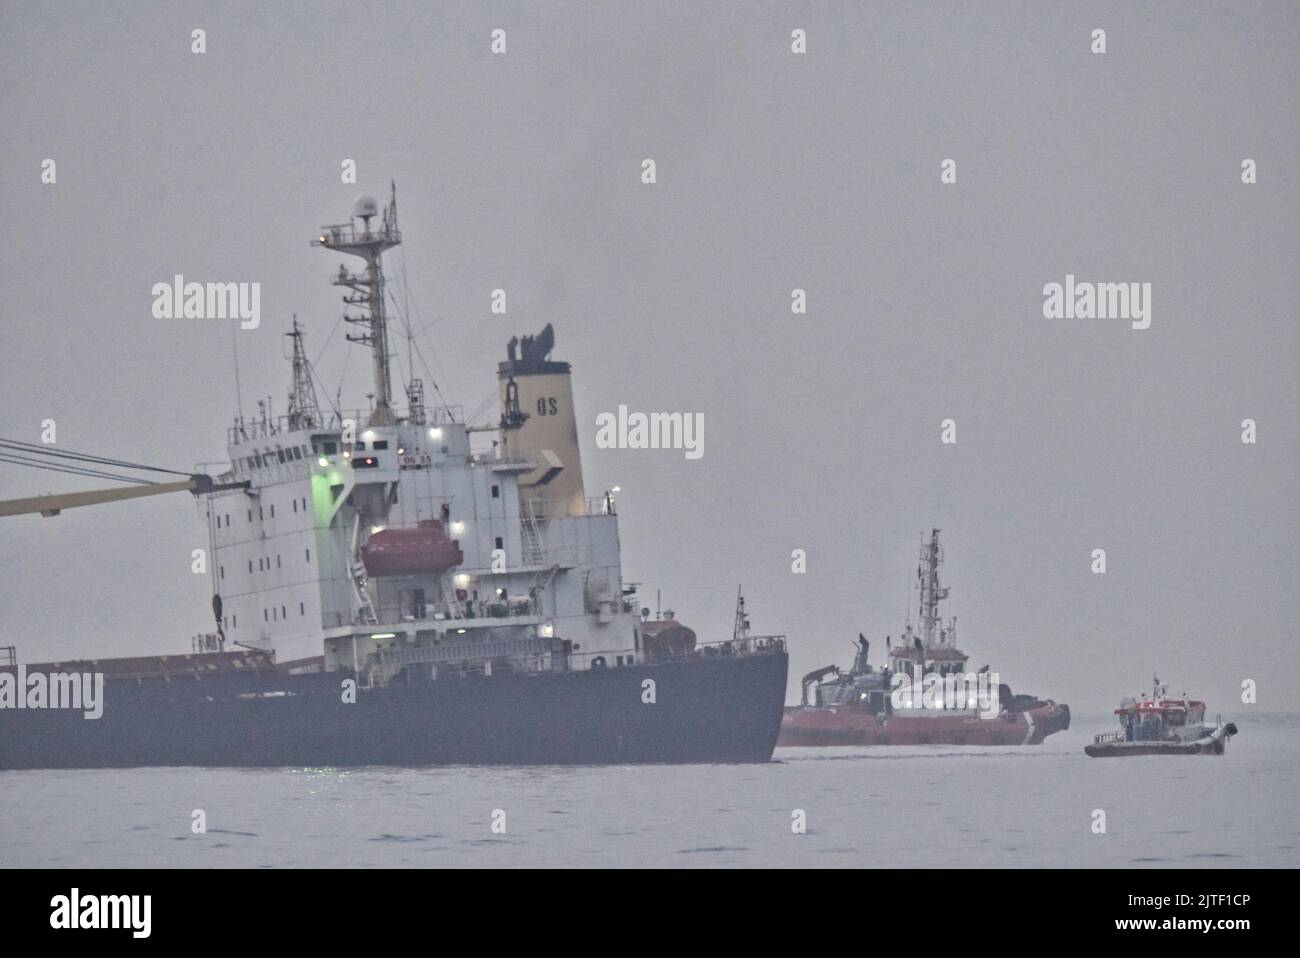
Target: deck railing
(544, 655)
(248, 430)
(570, 508)
(731, 648)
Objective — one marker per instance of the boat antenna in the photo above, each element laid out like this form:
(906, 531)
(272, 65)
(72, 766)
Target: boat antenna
(414, 388)
(239, 392)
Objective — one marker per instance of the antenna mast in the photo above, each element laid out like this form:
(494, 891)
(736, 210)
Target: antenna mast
(367, 288)
(304, 410)
(931, 591)
(740, 629)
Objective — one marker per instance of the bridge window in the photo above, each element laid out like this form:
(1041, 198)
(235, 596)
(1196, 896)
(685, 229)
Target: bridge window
(496, 492)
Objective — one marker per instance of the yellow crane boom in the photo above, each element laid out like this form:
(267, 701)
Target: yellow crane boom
(52, 505)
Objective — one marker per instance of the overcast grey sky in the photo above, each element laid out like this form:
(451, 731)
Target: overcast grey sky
(775, 171)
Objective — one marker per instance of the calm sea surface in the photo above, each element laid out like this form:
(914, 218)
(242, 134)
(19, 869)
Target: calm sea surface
(924, 807)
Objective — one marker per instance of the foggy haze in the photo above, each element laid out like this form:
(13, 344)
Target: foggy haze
(775, 172)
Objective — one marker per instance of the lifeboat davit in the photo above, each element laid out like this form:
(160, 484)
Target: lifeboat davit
(424, 549)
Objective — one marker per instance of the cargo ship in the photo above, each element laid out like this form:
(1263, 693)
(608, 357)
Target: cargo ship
(1162, 725)
(389, 588)
(923, 695)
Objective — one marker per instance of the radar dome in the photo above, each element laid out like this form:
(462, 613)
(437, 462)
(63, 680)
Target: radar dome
(365, 206)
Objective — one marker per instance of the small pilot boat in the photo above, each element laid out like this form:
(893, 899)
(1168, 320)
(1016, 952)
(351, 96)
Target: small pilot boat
(1162, 725)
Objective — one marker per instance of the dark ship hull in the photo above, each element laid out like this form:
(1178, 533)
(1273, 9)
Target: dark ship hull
(1210, 745)
(706, 709)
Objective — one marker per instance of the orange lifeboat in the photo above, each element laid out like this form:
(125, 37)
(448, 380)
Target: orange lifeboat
(424, 549)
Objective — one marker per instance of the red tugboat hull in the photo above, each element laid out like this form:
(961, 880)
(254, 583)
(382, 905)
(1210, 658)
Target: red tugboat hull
(820, 727)
(924, 694)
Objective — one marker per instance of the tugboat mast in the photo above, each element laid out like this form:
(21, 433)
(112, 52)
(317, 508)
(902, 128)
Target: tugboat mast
(367, 288)
(931, 592)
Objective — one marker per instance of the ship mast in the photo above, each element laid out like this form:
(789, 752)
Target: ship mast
(304, 410)
(931, 592)
(740, 629)
(367, 288)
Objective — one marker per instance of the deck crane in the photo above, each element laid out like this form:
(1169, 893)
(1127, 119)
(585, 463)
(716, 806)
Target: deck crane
(58, 460)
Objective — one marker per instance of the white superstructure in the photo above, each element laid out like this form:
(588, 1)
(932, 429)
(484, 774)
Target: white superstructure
(538, 584)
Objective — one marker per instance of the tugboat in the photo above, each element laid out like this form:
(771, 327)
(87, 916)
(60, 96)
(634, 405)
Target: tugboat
(1161, 725)
(923, 695)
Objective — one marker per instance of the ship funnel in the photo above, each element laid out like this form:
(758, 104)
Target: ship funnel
(538, 422)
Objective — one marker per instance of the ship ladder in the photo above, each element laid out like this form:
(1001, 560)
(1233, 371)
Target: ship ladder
(532, 535)
(360, 580)
(449, 600)
(360, 583)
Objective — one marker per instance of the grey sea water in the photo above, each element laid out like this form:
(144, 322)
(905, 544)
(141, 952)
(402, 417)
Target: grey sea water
(871, 807)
